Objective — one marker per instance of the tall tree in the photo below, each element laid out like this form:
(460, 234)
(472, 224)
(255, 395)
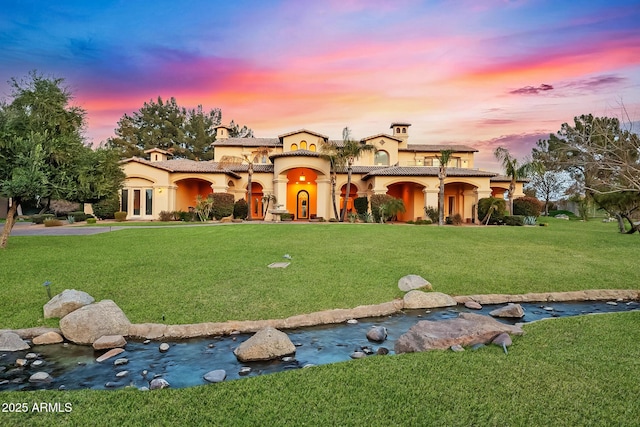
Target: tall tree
(443, 161)
(513, 169)
(42, 153)
(166, 125)
(350, 151)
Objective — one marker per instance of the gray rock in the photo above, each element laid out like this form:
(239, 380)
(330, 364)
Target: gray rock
(30, 356)
(10, 341)
(164, 347)
(457, 348)
(382, 351)
(510, 310)
(473, 305)
(37, 363)
(413, 281)
(357, 355)
(40, 377)
(109, 354)
(377, 334)
(109, 341)
(158, 383)
(266, 344)
(143, 388)
(419, 299)
(503, 339)
(48, 338)
(352, 321)
(466, 330)
(216, 376)
(86, 324)
(245, 370)
(122, 374)
(65, 302)
(121, 361)
(21, 362)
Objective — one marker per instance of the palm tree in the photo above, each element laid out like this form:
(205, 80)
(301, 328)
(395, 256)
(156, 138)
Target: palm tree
(227, 161)
(391, 208)
(350, 151)
(443, 160)
(331, 153)
(512, 169)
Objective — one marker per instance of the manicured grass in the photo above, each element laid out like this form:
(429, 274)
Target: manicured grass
(563, 372)
(218, 273)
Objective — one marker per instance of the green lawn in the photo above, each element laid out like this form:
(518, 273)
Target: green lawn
(570, 372)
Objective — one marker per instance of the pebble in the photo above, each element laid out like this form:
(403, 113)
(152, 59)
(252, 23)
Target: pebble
(352, 322)
(457, 348)
(216, 376)
(62, 387)
(40, 377)
(382, 351)
(164, 347)
(143, 388)
(121, 361)
(144, 373)
(111, 384)
(288, 359)
(122, 374)
(3, 382)
(308, 365)
(146, 341)
(158, 383)
(547, 308)
(21, 362)
(37, 363)
(30, 356)
(608, 302)
(357, 355)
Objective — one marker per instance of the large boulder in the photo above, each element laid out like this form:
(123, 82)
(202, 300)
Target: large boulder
(10, 341)
(48, 338)
(266, 344)
(88, 323)
(466, 330)
(65, 302)
(419, 299)
(510, 310)
(109, 341)
(413, 281)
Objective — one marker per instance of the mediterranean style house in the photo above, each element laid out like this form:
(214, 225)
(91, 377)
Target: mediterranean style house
(291, 168)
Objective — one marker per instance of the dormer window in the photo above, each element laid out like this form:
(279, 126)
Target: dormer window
(294, 147)
(381, 158)
(303, 145)
(397, 130)
(312, 147)
(404, 130)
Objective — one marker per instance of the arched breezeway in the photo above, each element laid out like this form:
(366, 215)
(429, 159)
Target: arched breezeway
(412, 195)
(188, 190)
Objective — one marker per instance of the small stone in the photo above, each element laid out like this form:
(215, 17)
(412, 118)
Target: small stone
(62, 387)
(477, 346)
(164, 347)
(457, 348)
(510, 310)
(377, 334)
(547, 308)
(298, 344)
(143, 388)
(48, 338)
(37, 363)
(357, 355)
(366, 350)
(158, 383)
(21, 362)
(216, 376)
(235, 333)
(40, 377)
(352, 322)
(612, 303)
(122, 374)
(144, 373)
(121, 361)
(109, 341)
(308, 365)
(473, 305)
(211, 345)
(288, 359)
(111, 384)
(30, 356)
(10, 341)
(382, 351)
(146, 341)
(245, 370)
(503, 339)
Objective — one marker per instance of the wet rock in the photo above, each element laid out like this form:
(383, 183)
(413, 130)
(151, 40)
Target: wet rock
(66, 302)
(366, 350)
(86, 324)
(612, 303)
(308, 365)
(48, 338)
(10, 341)
(466, 330)
(21, 362)
(62, 387)
(357, 355)
(109, 341)
(216, 376)
(40, 377)
(37, 363)
(547, 308)
(158, 383)
(31, 356)
(111, 384)
(473, 305)
(122, 374)
(109, 354)
(287, 359)
(510, 310)
(352, 321)
(266, 344)
(164, 347)
(121, 361)
(377, 334)
(4, 382)
(412, 282)
(146, 342)
(143, 388)
(245, 370)
(419, 299)
(382, 351)
(457, 348)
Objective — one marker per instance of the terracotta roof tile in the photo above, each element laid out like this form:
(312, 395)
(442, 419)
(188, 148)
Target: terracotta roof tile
(247, 142)
(439, 147)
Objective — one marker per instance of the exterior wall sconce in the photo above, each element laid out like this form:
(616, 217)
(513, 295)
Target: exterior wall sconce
(302, 177)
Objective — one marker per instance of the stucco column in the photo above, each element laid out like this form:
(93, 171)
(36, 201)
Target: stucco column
(221, 188)
(469, 202)
(431, 197)
(323, 207)
(280, 191)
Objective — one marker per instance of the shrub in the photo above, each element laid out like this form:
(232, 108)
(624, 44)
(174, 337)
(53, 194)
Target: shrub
(240, 209)
(105, 209)
(423, 222)
(432, 213)
(377, 200)
(286, 217)
(78, 216)
(562, 212)
(529, 220)
(362, 205)
(527, 206)
(166, 216)
(53, 222)
(499, 211)
(514, 220)
(120, 216)
(177, 215)
(187, 216)
(456, 219)
(39, 219)
(91, 220)
(222, 205)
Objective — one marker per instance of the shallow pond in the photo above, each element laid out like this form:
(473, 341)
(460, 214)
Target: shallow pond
(186, 362)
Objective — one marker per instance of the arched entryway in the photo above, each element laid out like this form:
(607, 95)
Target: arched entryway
(302, 193)
(188, 191)
(413, 197)
(353, 193)
(256, 201)
(302, 205)
(461, 198)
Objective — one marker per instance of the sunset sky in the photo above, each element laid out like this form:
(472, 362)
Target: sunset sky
(479, 72)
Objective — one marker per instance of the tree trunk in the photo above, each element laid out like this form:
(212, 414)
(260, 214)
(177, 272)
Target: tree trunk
(334, 178)
(346, 196)
(512, 189)
(441, 201)
(620, 223)
(249, 193)
(8, 225)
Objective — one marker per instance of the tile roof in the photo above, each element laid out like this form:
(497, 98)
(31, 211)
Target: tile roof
(381, 135)
(296, 153)
(188, 166)
(247, 142)
(426, 171)
(439, 147)
(504, 178)
(284, 135)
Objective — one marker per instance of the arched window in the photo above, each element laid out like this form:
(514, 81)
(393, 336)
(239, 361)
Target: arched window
(294, 147)
(404, 130)
(397, 130)
(312, 147)
(303, 145)
(381, 158)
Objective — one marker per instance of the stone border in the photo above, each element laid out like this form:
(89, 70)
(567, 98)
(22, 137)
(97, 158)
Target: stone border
(157, 331)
